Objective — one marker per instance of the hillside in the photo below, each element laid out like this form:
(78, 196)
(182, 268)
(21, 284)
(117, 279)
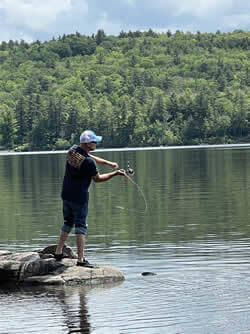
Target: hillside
(135, 89)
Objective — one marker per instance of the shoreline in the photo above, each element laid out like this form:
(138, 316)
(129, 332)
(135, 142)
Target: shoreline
(124, 149)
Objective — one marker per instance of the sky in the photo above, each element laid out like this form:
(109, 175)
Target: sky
(42, 20)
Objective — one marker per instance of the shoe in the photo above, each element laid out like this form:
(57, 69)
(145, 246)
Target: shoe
(85, 264)
(58, 257)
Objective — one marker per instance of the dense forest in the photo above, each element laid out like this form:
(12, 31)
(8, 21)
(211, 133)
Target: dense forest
(135, 89)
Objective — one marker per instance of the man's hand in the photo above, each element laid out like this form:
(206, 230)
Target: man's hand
(107, 176)
(121, 172)
(114, 165)
(99, 160)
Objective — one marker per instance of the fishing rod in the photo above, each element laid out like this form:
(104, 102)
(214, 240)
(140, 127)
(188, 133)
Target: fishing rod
(130, 171)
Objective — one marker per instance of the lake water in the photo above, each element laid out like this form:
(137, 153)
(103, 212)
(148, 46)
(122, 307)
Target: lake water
(193, 231)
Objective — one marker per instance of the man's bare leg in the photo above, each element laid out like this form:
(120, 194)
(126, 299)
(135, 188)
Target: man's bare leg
(63, 238)
(80, 243)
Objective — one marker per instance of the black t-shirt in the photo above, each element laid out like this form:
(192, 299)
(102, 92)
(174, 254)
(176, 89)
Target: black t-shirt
(79, 170)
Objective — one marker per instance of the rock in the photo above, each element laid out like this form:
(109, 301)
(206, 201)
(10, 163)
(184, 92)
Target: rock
(17, 266)
(148, 273)
(50, 251)
(74, 275)
(41, 268)
(3, 252)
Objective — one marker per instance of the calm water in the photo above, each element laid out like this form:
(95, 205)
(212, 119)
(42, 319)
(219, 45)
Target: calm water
(195, 235)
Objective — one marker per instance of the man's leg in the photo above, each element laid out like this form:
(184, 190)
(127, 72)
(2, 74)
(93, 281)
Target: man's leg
(80, 215)
(63, 238)
(66, 228)
(80, 243)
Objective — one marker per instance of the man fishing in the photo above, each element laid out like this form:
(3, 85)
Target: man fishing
(79, 171)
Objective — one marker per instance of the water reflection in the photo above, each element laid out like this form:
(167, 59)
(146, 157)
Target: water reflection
(195, 235)
(46, 309)
(189, 193)
(75, 311)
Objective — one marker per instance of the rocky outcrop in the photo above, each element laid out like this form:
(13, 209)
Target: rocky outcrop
(40, 267)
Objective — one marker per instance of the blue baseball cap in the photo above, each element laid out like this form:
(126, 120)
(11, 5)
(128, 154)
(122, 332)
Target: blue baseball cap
(88, 136)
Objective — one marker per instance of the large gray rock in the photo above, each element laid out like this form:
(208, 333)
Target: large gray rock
(17, 266)
(41, 268)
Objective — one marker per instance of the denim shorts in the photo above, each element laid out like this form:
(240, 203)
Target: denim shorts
(75, 214)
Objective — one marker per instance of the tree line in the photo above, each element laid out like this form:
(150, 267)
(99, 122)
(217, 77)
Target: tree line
(135, 89)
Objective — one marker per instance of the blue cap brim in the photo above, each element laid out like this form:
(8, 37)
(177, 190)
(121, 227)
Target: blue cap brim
(98, 139)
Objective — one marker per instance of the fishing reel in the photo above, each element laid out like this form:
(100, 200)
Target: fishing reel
(129, 170)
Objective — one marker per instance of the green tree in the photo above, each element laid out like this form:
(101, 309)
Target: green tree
(20, 120)
(100, 36)
(7, 126)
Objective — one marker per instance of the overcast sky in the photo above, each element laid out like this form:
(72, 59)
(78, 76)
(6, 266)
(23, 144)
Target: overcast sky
(43, 19)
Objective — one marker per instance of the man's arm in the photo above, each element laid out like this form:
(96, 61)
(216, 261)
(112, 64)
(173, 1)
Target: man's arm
(104, 162)
(108, 176)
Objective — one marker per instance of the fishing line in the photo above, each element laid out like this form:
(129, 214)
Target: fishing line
(131, 171)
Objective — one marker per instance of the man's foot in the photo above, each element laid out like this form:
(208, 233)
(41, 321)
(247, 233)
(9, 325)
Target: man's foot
(58, 257)
(85, 264)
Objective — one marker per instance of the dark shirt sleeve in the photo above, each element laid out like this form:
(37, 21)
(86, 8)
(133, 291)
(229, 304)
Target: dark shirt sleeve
(89, 165)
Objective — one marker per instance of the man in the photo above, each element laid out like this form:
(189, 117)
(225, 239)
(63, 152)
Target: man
(79, 172)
